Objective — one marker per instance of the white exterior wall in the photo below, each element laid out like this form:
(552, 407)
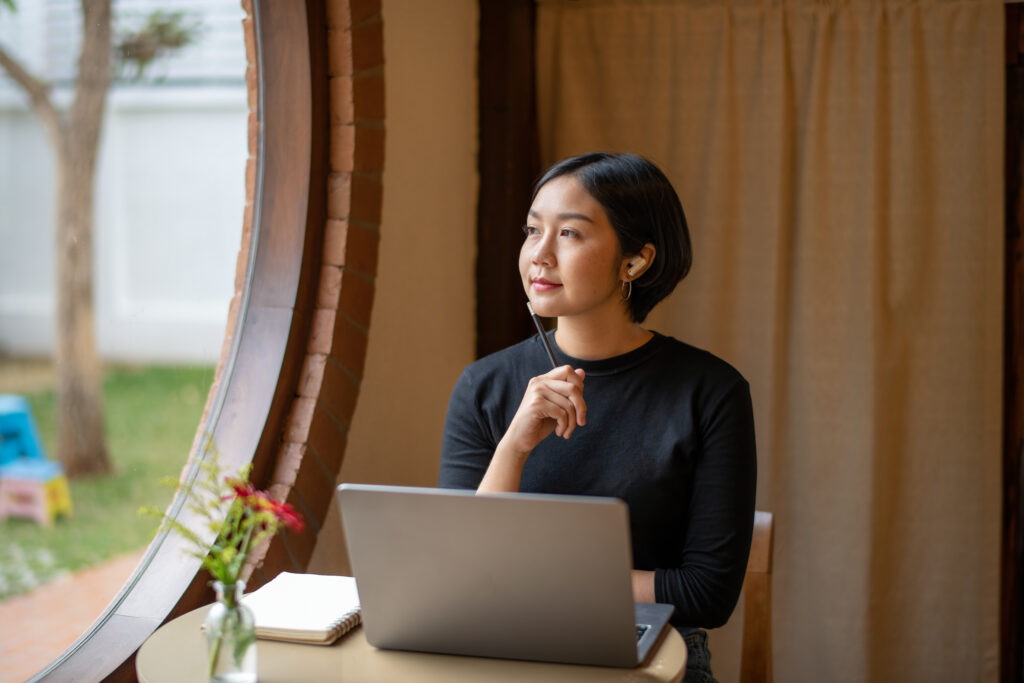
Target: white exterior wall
(170, 193)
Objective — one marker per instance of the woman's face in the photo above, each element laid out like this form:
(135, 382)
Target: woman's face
(570, 262)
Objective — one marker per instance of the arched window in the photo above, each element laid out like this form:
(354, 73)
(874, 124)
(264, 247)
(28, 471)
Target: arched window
(285, 388)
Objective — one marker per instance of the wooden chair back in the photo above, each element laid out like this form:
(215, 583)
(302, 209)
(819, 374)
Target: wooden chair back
(756, 657)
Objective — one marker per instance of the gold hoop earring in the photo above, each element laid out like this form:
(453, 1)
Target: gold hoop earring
(627, 289)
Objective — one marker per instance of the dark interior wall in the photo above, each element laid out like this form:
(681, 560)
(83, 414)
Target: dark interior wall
(509, 165)
(1012, 603)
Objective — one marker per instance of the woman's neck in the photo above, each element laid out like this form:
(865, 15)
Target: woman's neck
(594, 339)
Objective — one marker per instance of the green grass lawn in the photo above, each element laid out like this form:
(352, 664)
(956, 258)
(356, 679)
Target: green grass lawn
(151, 415)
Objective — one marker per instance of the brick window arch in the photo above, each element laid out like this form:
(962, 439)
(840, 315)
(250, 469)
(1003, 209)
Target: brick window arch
(286, 385)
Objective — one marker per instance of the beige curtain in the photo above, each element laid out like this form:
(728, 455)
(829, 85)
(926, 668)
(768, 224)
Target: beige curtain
(840, 163)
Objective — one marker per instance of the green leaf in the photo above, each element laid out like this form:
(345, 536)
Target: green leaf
(162, 34)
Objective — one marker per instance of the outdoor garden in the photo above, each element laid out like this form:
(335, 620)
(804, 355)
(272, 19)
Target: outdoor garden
(151, 284)
(151, 414)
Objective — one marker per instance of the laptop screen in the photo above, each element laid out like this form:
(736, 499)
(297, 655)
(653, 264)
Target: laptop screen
(522, 576)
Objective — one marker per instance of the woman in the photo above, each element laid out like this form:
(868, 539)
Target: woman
(635, 415)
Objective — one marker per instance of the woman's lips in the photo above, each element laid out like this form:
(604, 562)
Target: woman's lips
(542, 285)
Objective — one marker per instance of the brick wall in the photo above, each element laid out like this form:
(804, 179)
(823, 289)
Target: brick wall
(313, 440)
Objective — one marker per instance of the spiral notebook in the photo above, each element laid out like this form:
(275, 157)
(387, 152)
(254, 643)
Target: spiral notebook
(305, 608)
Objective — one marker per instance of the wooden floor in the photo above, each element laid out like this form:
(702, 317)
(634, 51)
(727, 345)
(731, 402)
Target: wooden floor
(37, 626)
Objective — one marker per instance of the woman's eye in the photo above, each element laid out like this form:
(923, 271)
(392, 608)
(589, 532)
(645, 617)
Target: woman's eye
(530, 230)
(568, 232)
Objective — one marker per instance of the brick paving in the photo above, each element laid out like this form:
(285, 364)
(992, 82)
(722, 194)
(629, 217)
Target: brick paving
(39, 625)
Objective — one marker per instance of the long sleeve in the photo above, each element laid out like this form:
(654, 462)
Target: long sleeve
(706, 585)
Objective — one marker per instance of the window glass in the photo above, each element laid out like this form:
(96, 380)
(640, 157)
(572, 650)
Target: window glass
(168, 202)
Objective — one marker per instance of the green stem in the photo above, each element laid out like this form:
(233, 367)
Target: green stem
(214, 654)
(243, 552)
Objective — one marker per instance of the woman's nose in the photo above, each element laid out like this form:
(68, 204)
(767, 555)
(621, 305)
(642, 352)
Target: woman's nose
(544, 251)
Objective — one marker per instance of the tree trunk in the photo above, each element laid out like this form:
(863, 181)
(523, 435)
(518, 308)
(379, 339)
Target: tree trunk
(81, 444)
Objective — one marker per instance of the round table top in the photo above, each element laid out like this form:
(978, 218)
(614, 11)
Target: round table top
(176, 652)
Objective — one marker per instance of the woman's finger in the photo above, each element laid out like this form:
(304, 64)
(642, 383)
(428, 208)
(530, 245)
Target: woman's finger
(552, 402)
(574, 393)
(546, 403)
(560, 408)
(565, 373)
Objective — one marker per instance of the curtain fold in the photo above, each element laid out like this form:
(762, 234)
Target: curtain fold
(841, 166)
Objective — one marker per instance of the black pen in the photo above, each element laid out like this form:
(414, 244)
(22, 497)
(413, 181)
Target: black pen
(543, 335)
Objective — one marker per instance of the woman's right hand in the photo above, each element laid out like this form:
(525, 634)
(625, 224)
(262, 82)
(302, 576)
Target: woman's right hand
(553, 402)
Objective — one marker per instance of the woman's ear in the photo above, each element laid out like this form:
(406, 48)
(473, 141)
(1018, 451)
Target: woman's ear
(637, 265)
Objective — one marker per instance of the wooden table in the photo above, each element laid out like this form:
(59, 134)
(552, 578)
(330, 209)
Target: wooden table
(176, 653)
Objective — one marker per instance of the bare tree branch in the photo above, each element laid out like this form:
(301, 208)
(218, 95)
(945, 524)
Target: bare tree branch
(38, 94)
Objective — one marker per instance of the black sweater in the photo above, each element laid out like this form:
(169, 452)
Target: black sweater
(670, 430)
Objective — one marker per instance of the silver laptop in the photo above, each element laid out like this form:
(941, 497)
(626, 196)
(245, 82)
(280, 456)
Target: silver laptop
(516, 576)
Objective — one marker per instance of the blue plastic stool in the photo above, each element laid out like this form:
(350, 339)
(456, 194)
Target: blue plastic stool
(30, 485)
(19, 437)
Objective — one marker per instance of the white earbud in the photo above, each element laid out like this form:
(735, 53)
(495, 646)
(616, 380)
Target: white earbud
(636, 265)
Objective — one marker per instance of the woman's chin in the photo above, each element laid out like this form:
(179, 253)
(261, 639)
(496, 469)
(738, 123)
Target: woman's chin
(544, 309)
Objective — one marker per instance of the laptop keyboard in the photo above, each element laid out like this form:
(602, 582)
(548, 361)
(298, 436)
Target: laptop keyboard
(641, 629)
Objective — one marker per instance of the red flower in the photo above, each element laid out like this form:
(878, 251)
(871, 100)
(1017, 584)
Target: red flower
(286, 514)
(242, 489)
(283, 512)
(259, 500)
(249, 518)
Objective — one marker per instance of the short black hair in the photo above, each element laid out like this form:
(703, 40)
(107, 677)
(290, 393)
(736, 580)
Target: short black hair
(642, 207)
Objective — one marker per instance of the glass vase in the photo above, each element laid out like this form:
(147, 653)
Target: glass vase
(230, 636)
